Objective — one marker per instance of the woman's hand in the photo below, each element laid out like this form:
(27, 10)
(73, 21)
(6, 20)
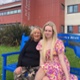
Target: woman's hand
(18, 70)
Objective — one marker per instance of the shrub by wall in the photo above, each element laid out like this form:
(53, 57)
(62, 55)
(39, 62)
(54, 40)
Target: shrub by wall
(11, 35)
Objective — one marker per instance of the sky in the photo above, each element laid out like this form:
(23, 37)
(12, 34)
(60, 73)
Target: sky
(5, 1)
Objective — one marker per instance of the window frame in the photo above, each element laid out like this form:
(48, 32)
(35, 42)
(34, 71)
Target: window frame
(78, 28)
(62, 28)
(69, 29)
(73, 9)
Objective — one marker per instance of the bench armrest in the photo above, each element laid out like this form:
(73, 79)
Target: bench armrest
(10, 53)
(5, 55)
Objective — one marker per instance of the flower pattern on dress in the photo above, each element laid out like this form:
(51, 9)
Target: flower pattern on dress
(53, 69)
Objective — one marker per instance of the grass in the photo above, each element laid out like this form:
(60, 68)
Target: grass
(73, 59)
(11, 59)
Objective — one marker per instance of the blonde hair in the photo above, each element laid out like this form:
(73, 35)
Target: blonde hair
(54, 38)
(33, 30)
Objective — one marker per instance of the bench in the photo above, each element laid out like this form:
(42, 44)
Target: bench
(67, 38)
(11, 67)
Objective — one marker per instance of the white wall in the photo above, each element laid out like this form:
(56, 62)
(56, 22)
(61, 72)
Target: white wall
(73, 18)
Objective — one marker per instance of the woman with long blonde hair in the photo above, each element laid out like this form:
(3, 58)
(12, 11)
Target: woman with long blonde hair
(53, 63)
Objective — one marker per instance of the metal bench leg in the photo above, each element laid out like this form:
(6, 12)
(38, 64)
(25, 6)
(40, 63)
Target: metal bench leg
(4, 74)
(4, 70)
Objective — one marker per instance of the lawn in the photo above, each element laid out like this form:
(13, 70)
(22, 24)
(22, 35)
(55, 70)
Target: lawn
(4, 49)
(74, 60)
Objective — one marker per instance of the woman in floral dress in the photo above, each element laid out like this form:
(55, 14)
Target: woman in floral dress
(54, 65)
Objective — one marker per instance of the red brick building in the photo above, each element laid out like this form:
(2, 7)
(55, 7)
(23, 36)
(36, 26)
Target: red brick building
(10, 13)
(33, 12)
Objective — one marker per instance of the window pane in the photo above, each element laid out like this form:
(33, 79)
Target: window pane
(62, 28)
(15, 11)
(75, 8)
(11, 12)
(79, 28)
(19, 11)
(8, 12)
(70, 29)
(4, 13)
(0, 14)
(70, 9)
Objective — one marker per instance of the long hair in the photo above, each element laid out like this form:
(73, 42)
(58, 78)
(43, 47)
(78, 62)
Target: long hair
(54, 38)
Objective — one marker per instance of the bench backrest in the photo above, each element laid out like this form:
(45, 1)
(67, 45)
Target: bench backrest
(70, 37)
(23, 41)
(71, 41)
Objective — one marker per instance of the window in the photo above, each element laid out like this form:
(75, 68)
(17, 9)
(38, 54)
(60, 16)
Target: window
(0, 14)
(70, 29)
(4, 13)
(10, 12)
(15, 11)
(79, 28)
(19, 11)
(62, 29)
(17, 0)
(75, 8)
(72, 9)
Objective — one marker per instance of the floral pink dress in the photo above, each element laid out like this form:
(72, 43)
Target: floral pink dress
(53, 69)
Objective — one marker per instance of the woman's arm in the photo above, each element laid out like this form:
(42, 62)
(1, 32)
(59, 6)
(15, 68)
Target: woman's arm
(22, 53)
(63, 64)
(39, 48)
(41, 61)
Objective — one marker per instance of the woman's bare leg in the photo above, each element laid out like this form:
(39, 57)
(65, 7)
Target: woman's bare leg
(17, 73)
(18, 70)
(40, 74)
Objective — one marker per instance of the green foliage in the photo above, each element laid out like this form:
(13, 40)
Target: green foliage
(11, 35)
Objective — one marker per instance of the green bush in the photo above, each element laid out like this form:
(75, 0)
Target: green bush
(11, 35)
